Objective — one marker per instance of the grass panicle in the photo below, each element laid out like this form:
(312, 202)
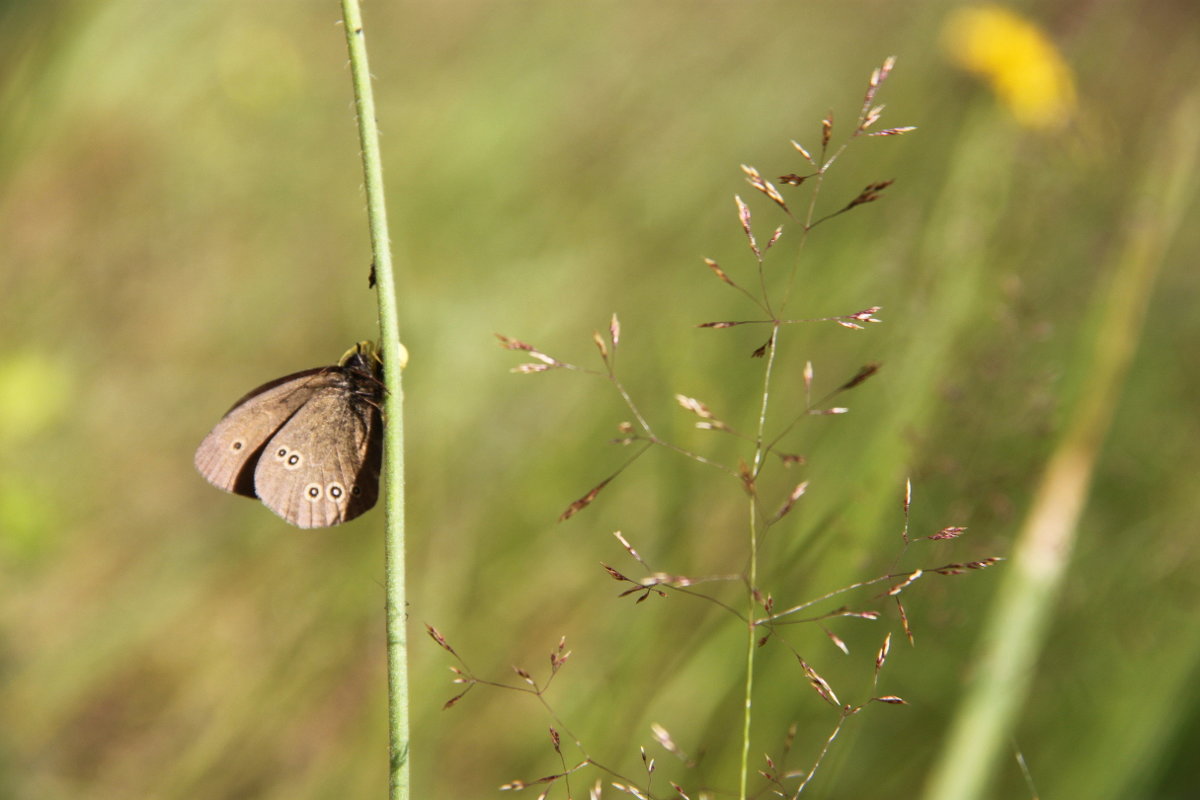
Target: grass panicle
(766, 441)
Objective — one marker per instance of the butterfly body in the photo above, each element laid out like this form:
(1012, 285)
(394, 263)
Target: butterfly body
(309, 445)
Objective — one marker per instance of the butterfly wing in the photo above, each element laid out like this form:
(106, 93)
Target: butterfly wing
(321, 467)
(227, 456)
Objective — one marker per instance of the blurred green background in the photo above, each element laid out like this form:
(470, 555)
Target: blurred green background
(181, 219)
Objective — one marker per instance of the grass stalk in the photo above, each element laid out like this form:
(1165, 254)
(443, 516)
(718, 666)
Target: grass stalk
(393, 363)
(752, 568)
(1021, 615)
(751, 648)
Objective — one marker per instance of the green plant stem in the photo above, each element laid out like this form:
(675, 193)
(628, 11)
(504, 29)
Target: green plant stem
(752, 569)
(751, 578)
(1017, 625)
(393, 363)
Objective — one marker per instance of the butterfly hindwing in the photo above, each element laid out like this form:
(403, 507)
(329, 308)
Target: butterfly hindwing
(322, 467)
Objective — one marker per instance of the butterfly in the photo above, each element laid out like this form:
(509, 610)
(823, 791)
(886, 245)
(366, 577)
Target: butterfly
(309, 444)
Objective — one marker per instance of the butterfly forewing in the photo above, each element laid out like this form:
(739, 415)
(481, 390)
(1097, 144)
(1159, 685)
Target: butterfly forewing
(227, 456)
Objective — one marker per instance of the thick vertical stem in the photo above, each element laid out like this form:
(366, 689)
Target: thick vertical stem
(393, 363)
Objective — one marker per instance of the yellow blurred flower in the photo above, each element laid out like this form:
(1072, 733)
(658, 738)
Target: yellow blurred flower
(1018, 61)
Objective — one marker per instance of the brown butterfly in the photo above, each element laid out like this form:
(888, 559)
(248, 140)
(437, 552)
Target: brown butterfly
(309, 444)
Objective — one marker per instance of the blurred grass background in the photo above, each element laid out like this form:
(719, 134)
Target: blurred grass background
(181, 219)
